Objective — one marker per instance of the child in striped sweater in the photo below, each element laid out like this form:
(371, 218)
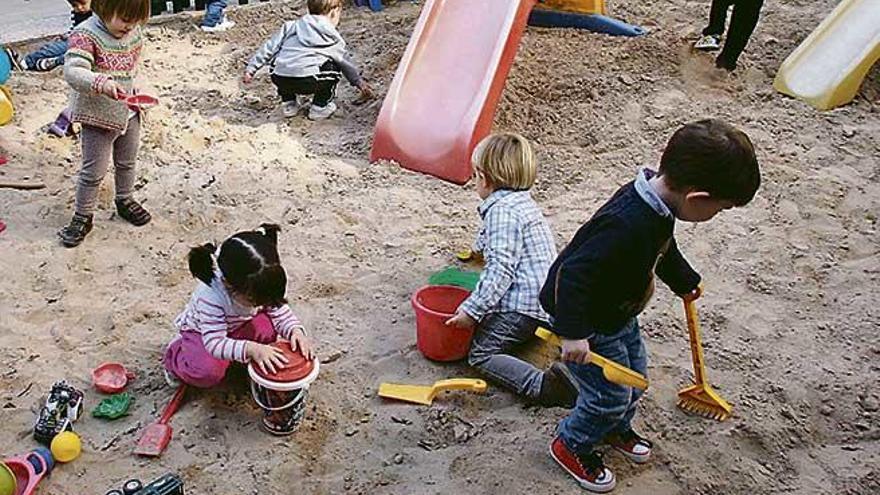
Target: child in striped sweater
(236, 311)
(100, 67)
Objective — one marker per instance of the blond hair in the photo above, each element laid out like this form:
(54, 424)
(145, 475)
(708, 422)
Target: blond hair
(323, 7)
(506, 160)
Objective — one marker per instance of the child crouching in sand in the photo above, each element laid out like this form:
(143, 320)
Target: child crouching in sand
(307, 59)
(517, 245)
(100, 67)
(236, 311)
(605, 277)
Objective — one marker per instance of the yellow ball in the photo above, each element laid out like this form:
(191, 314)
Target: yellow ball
(66, 446)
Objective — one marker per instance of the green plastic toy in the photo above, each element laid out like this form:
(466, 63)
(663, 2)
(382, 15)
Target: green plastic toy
(455, 276)
(113, 407)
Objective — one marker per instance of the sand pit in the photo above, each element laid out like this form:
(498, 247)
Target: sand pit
(791, 312)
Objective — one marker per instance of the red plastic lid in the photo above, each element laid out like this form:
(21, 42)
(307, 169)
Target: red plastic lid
(297, 367)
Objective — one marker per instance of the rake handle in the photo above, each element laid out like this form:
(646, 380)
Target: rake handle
(693, 324)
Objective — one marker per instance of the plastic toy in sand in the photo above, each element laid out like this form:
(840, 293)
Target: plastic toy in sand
(111, 378)
(66, 446)
(62, 408)
(282, 395)
(424, 394)
(20, 475)
(157, 436)
(167, 484)
(113, 407)
(452, 275)
(434, 305)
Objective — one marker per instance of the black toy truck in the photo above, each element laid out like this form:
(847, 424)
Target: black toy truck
(62, 408)
(168, 484)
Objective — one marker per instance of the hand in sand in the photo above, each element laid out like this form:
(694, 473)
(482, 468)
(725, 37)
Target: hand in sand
(298, 340)
(268, 358)
(576, 351)
(247, 77)
(461, 320)
(366, 90)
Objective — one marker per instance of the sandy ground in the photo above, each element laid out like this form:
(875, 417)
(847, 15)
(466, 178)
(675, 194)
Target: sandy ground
(790, 312)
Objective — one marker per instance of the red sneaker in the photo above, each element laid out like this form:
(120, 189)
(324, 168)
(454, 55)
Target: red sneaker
(632, 445)
(589, 470)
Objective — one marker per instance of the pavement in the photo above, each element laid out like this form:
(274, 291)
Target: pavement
(26, 19)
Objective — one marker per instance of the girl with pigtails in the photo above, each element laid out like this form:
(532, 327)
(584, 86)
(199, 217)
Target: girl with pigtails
(236, 311)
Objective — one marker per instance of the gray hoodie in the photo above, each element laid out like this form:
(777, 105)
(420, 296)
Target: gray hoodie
(301, 47)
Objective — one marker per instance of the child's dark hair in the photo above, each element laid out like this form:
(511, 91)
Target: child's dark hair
(249, 264)
(128, 10)
(712, 156)
(323, 7)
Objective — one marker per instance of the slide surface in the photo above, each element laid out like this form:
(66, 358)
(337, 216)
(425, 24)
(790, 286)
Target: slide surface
(827, 69)
(442, 99)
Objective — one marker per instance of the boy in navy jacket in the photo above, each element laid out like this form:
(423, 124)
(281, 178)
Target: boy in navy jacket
(605, 277)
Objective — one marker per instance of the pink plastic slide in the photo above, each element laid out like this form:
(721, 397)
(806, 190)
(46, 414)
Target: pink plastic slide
(443, 97)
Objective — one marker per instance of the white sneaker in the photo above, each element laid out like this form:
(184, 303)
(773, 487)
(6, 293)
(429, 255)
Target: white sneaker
(291, 108)
(708, 43)
(171, 379)
(321, 113)
(219, 28)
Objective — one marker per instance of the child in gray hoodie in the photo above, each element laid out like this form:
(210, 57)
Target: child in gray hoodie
(307, 58)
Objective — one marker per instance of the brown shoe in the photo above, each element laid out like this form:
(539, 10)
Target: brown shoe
(556, 389)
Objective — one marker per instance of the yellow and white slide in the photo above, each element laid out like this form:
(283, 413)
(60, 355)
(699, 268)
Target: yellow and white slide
(827, 69)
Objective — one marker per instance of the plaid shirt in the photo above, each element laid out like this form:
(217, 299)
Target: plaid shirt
(518, 247)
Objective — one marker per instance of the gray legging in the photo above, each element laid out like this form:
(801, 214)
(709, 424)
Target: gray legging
(98, 147)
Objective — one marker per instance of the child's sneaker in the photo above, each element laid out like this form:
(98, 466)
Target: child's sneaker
(708, 43)
(291, 108)
(171, 379)
(322, 113)
(589, 470)
(556, 389)
(47, 64)
(17, 62)
(132, 212)
(76, 231)
(632, 445)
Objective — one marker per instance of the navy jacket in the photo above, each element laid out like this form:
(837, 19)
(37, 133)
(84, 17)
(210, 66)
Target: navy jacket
(605, 275)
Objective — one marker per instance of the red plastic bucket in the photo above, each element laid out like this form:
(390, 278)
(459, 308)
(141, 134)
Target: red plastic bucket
(434, 304)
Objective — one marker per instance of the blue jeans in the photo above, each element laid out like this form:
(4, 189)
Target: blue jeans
(214, 13)
(604, 407)
(54, 49)
(495, 336)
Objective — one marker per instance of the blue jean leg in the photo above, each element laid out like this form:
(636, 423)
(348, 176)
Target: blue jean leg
(603, 407)
(53, 49)
(214, 13)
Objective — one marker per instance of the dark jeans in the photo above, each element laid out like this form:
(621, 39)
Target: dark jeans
(604, 407)
(213, 13)
(742, 24)
(495, 336)
(54, 50)
(322, 85)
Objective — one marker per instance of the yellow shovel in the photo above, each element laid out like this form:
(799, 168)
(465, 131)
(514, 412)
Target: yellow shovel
(613, 372)
(424, 394)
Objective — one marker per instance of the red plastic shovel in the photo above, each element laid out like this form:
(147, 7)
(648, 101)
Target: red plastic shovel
(157, 436)
(139, 101)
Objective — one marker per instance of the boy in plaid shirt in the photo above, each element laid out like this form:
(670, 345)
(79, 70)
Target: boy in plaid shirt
(517, 245)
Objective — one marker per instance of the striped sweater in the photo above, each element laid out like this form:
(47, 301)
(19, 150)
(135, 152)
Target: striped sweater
(213, 313)
(93, 57)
